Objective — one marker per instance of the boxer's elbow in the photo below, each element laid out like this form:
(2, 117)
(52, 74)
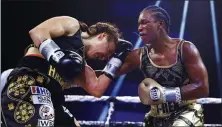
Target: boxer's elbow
(98, 87)
(204, 89)
(97, 94)
(95, 91)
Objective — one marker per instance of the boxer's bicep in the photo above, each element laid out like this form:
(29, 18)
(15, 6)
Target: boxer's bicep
(196, 70)
(132, 61)
(194, 65)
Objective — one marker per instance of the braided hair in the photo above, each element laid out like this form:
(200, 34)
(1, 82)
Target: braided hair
(160, 14)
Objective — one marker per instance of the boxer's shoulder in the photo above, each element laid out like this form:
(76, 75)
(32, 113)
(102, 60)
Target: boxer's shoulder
(188, 46)
(189, 51)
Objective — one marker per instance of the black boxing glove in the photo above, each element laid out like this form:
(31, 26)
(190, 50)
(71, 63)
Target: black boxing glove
(122, 50)
(68, 63)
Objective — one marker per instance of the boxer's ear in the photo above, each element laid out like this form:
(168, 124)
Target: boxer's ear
(161, 24)
(102, 35)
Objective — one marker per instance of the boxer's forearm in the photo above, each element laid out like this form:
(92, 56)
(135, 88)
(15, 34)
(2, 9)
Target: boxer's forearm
(194, 91)
(96, 86)
(54, 27)
(39, 35)
(132, 62)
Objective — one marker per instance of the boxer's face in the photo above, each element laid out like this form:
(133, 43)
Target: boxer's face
(147, 27)
(102, 49)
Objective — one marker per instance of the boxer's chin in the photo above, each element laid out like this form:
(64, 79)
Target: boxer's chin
(146, 40)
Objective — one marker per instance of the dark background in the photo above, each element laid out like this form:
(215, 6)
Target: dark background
(20, 16)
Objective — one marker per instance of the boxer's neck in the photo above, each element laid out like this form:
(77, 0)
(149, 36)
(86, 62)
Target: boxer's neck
(89, 41)
(161, 43)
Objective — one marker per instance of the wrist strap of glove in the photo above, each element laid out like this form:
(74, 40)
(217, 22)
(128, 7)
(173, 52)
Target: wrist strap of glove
(112, 67)
(171, 94)
(48, 48)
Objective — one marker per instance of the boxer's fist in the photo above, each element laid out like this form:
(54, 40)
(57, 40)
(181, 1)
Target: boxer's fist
(68, 66)
(122, 50)
(152, 93)
(68, 63)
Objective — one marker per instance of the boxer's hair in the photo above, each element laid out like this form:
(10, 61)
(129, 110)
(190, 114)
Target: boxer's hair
(160, 14)
(102, 27)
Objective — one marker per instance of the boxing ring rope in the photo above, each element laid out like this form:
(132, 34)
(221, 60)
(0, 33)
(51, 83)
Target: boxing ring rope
(124, 99)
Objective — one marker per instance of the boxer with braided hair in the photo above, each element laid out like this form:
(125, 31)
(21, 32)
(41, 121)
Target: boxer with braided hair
(173, 69)
(55, 62)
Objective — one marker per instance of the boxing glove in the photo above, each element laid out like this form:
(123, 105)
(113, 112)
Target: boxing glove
(122, 50)
(152, 93)
(68, 63)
